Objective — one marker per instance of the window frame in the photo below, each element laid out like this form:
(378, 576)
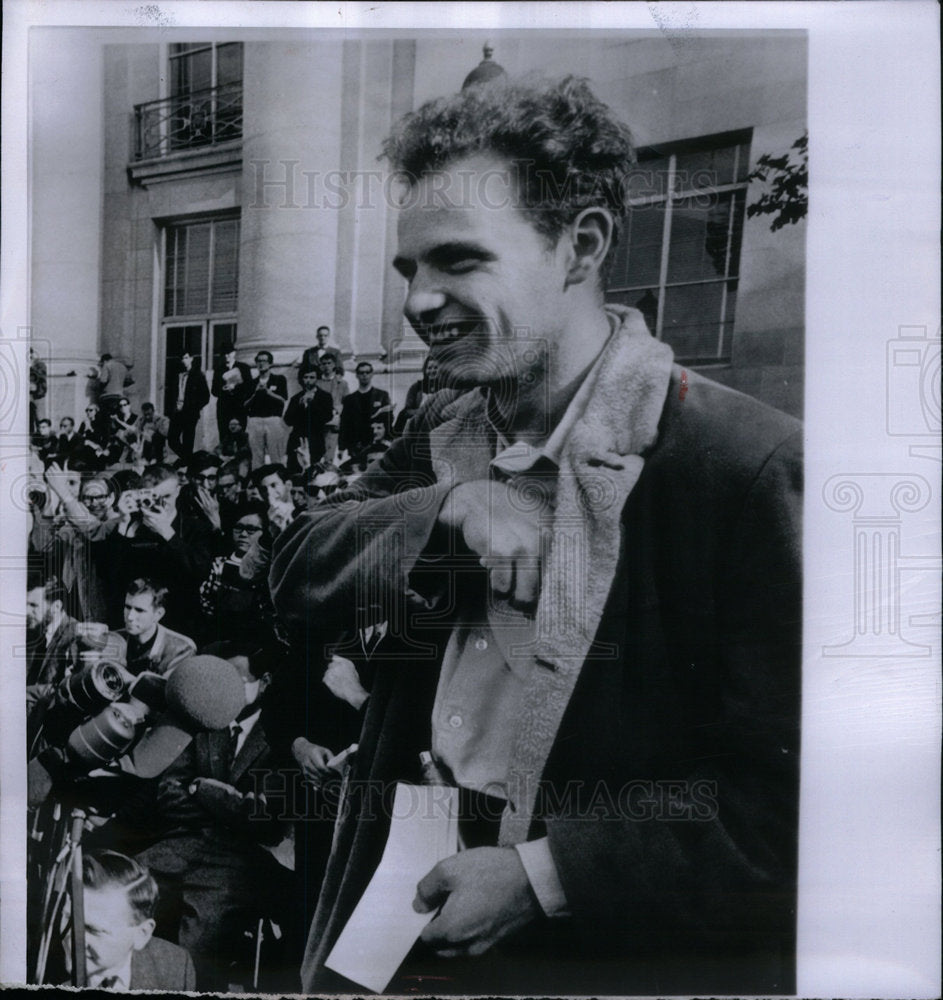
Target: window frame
(741, 141)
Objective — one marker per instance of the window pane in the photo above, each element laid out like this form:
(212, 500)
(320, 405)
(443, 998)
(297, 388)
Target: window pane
(197, 277)
(226, 267)
(638, 257)
(229, 64)
(693, 318)
(699, 237)
(649, 177)
(705, 168)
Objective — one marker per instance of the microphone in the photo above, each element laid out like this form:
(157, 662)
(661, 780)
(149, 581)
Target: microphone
(202, 693)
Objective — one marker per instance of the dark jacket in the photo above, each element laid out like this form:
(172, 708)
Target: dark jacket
(358, 410)
(260, 403)
(231, 402)
(670, 793)
(308, 419)
(195, 394)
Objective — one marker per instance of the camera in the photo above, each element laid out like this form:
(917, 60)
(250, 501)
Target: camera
(913, 382)
(102, 738)
(95, 686)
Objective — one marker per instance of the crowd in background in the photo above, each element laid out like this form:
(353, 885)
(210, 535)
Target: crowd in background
(149, 556)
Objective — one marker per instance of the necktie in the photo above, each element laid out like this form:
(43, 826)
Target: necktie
(234, 730)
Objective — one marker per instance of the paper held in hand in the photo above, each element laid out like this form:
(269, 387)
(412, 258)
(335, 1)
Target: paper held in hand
(384, 926)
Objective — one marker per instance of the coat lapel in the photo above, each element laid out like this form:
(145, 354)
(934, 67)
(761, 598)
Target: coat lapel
(600, 465)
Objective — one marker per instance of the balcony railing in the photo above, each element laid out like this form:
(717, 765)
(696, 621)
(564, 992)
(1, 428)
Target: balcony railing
(189, 121)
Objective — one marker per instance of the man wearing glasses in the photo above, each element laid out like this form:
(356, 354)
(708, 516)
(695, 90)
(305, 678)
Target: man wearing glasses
(233, 607)
(265, 404)
(88, 519)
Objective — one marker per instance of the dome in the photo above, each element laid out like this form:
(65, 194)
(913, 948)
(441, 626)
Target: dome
(485, 72)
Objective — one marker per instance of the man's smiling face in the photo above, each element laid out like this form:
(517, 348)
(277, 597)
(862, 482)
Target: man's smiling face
(486, 292)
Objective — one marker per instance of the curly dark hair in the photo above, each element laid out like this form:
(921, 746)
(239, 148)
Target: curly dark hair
(566, 148)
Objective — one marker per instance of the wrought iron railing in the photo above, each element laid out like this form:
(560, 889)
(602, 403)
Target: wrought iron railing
(188, 121)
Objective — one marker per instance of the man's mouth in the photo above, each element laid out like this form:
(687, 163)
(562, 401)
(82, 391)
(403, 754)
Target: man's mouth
(446, 333)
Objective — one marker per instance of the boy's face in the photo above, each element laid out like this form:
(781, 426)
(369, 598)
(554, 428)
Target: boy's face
(111, 933)
(234, 426)
(254, 685)
(275, 490)
(140, 615)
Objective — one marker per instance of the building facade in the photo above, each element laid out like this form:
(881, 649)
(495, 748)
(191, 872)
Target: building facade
(198, 188)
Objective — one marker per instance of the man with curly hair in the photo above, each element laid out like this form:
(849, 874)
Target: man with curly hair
(583, 564)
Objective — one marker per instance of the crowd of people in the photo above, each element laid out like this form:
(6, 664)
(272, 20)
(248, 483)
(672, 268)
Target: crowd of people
(145, 554)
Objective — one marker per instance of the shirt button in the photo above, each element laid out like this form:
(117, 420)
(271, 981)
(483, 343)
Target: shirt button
(481, 644)
(455, 721)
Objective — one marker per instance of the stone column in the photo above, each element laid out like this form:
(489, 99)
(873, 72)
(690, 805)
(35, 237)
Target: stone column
(66, 158)
(288, 248)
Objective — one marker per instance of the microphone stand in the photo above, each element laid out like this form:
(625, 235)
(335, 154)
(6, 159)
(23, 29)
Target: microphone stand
(79, 972)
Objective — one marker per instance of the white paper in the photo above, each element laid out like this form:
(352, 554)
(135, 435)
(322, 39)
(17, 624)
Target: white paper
(384, 926)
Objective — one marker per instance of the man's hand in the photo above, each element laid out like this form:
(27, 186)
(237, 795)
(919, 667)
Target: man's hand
(484, 894)
(160, 520)
(209, 505)
(280, 513)
(343, 681)
(312, 759)
(58, 481)
(503, 529)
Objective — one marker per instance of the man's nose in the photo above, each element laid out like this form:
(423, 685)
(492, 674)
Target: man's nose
(423, 301)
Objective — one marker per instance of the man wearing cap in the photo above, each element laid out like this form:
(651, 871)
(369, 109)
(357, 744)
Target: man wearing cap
(586, 563)
(231, 381)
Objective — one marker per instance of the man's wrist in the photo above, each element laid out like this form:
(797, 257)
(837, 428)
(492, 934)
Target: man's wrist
(542, 874)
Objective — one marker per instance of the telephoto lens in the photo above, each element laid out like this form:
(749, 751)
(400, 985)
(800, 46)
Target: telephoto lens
(95, 686)
(103, 738)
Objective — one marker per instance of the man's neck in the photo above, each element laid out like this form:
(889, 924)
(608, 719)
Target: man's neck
(531, 412)
(145, 637)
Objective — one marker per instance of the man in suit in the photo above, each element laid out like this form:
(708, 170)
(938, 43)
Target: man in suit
(308, 414)
(585, 563)
(231, 382)
(216, 876)
(360, 408)
(121, 953)
(189, 394)
(51, 633)
(265, 406)
(310, 360)
(145, 644)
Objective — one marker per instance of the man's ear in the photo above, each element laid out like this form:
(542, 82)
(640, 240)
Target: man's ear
(143, 932)
(160, 612)
(590, 236)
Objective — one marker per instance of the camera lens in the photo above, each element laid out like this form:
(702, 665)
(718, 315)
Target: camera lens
(102, 739)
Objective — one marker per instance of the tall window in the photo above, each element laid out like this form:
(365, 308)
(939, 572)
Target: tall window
(201, 291)
(206, 92)
(678, 260)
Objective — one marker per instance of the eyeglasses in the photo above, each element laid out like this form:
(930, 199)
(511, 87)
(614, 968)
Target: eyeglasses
(228, 485)
(249, 529)
(207, 477)
(94, 497)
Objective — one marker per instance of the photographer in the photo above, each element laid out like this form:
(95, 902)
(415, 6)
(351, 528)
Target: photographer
(155, 540)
